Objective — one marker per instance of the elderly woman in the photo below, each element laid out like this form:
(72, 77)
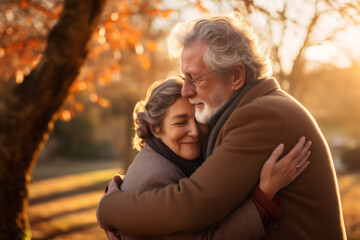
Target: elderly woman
(169, 140)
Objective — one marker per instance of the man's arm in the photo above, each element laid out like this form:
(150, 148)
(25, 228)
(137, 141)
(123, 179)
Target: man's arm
(244, 223)
(218, 186)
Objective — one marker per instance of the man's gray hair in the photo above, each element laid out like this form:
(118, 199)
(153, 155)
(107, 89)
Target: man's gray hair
(232, 42)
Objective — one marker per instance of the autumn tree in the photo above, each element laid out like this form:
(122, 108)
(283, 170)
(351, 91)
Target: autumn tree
(35, 85)
(290, 28)
(128, 59)
(28, 109)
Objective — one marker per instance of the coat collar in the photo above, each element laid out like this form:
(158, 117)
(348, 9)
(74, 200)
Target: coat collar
(264, 87)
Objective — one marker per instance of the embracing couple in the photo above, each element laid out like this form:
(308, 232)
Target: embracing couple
(211, 162)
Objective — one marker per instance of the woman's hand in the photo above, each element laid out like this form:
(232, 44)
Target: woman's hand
(276, 175)
(113, 186)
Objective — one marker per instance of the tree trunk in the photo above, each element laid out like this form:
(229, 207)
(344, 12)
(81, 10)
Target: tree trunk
(27, 111)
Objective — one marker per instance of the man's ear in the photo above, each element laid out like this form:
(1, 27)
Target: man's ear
(238, 78)
(155, 130)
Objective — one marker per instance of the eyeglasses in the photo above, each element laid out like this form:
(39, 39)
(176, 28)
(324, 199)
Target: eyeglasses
(193, 82)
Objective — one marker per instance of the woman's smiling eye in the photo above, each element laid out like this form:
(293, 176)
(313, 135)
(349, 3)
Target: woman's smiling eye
(180, 123)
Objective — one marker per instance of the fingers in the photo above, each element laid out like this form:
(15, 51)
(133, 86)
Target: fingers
(303, 156)
(112, 187)
(303, 165)
(303, 160)
(305, 150)
(297, 149)
(275, 155)
(118, 180)
(299, 153)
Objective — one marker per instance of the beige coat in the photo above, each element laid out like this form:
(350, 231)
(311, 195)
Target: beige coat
(265, 117)
(151, 170)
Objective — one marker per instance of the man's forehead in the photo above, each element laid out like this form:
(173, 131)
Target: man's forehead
(194, 48)
(192, 58)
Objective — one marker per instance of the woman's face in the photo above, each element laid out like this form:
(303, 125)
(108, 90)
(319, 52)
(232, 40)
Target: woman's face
(180, 131)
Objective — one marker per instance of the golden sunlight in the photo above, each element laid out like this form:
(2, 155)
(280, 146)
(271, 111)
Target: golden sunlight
(102, 38)
(114, 16)
(94, 97)
(102, 31)
(341, 52)
(65, 116)
(19, 77)
(82, 85)
(139, 49)
(322, 53)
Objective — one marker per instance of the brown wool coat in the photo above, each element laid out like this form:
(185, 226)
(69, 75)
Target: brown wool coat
(265, 117)
(151, 170)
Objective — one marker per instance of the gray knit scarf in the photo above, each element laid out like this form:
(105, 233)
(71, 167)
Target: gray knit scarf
(219, 118)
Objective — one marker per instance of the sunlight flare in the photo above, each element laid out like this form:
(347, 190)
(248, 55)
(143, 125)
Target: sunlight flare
(19, 77)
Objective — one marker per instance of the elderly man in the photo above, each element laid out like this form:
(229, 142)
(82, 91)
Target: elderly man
(227, 78)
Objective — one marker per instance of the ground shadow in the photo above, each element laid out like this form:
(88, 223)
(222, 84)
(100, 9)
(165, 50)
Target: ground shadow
(61, 214)
(58, 195)
(66, 232)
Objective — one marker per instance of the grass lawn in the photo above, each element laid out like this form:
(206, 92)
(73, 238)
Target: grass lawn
(64, 196)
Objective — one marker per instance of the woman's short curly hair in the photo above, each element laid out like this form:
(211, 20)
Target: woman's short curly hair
(151, 111)
(231, 42)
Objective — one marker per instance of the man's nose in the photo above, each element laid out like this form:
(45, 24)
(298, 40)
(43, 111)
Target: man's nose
(187, 90)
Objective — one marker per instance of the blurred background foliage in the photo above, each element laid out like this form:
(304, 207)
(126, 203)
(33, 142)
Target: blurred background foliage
(313, 45)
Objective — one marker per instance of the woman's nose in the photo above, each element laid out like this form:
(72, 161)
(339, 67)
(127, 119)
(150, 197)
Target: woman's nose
(193, 130)
(187, 90)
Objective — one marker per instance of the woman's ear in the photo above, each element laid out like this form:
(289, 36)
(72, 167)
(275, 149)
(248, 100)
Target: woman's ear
(238, 78)
(155, 130)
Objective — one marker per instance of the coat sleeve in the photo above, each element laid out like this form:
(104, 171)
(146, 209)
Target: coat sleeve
(244, 223)
(224, 180)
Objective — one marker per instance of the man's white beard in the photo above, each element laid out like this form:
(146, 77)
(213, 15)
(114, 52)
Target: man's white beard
(205, 115)
(207, 112)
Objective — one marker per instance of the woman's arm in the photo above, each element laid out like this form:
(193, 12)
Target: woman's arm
(276, 175)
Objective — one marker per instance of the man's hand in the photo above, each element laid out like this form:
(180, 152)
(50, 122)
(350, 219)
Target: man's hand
(113, 186)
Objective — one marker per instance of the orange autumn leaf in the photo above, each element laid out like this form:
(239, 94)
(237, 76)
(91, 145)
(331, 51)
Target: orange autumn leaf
(64, 115)
(106, 78)
(116, 67)
(137, 2)
(24, 4)
(79, 107)
(153, 12)
(124, 8)
(94, 97)
(109, 25)
(133, 38)
(145, 61)
(151, 46)
(201, 7)
(29, 20)
(90, 86)
(166, 13)
(57, 11)
(104, 103)
(78, 86)
(33, 43)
